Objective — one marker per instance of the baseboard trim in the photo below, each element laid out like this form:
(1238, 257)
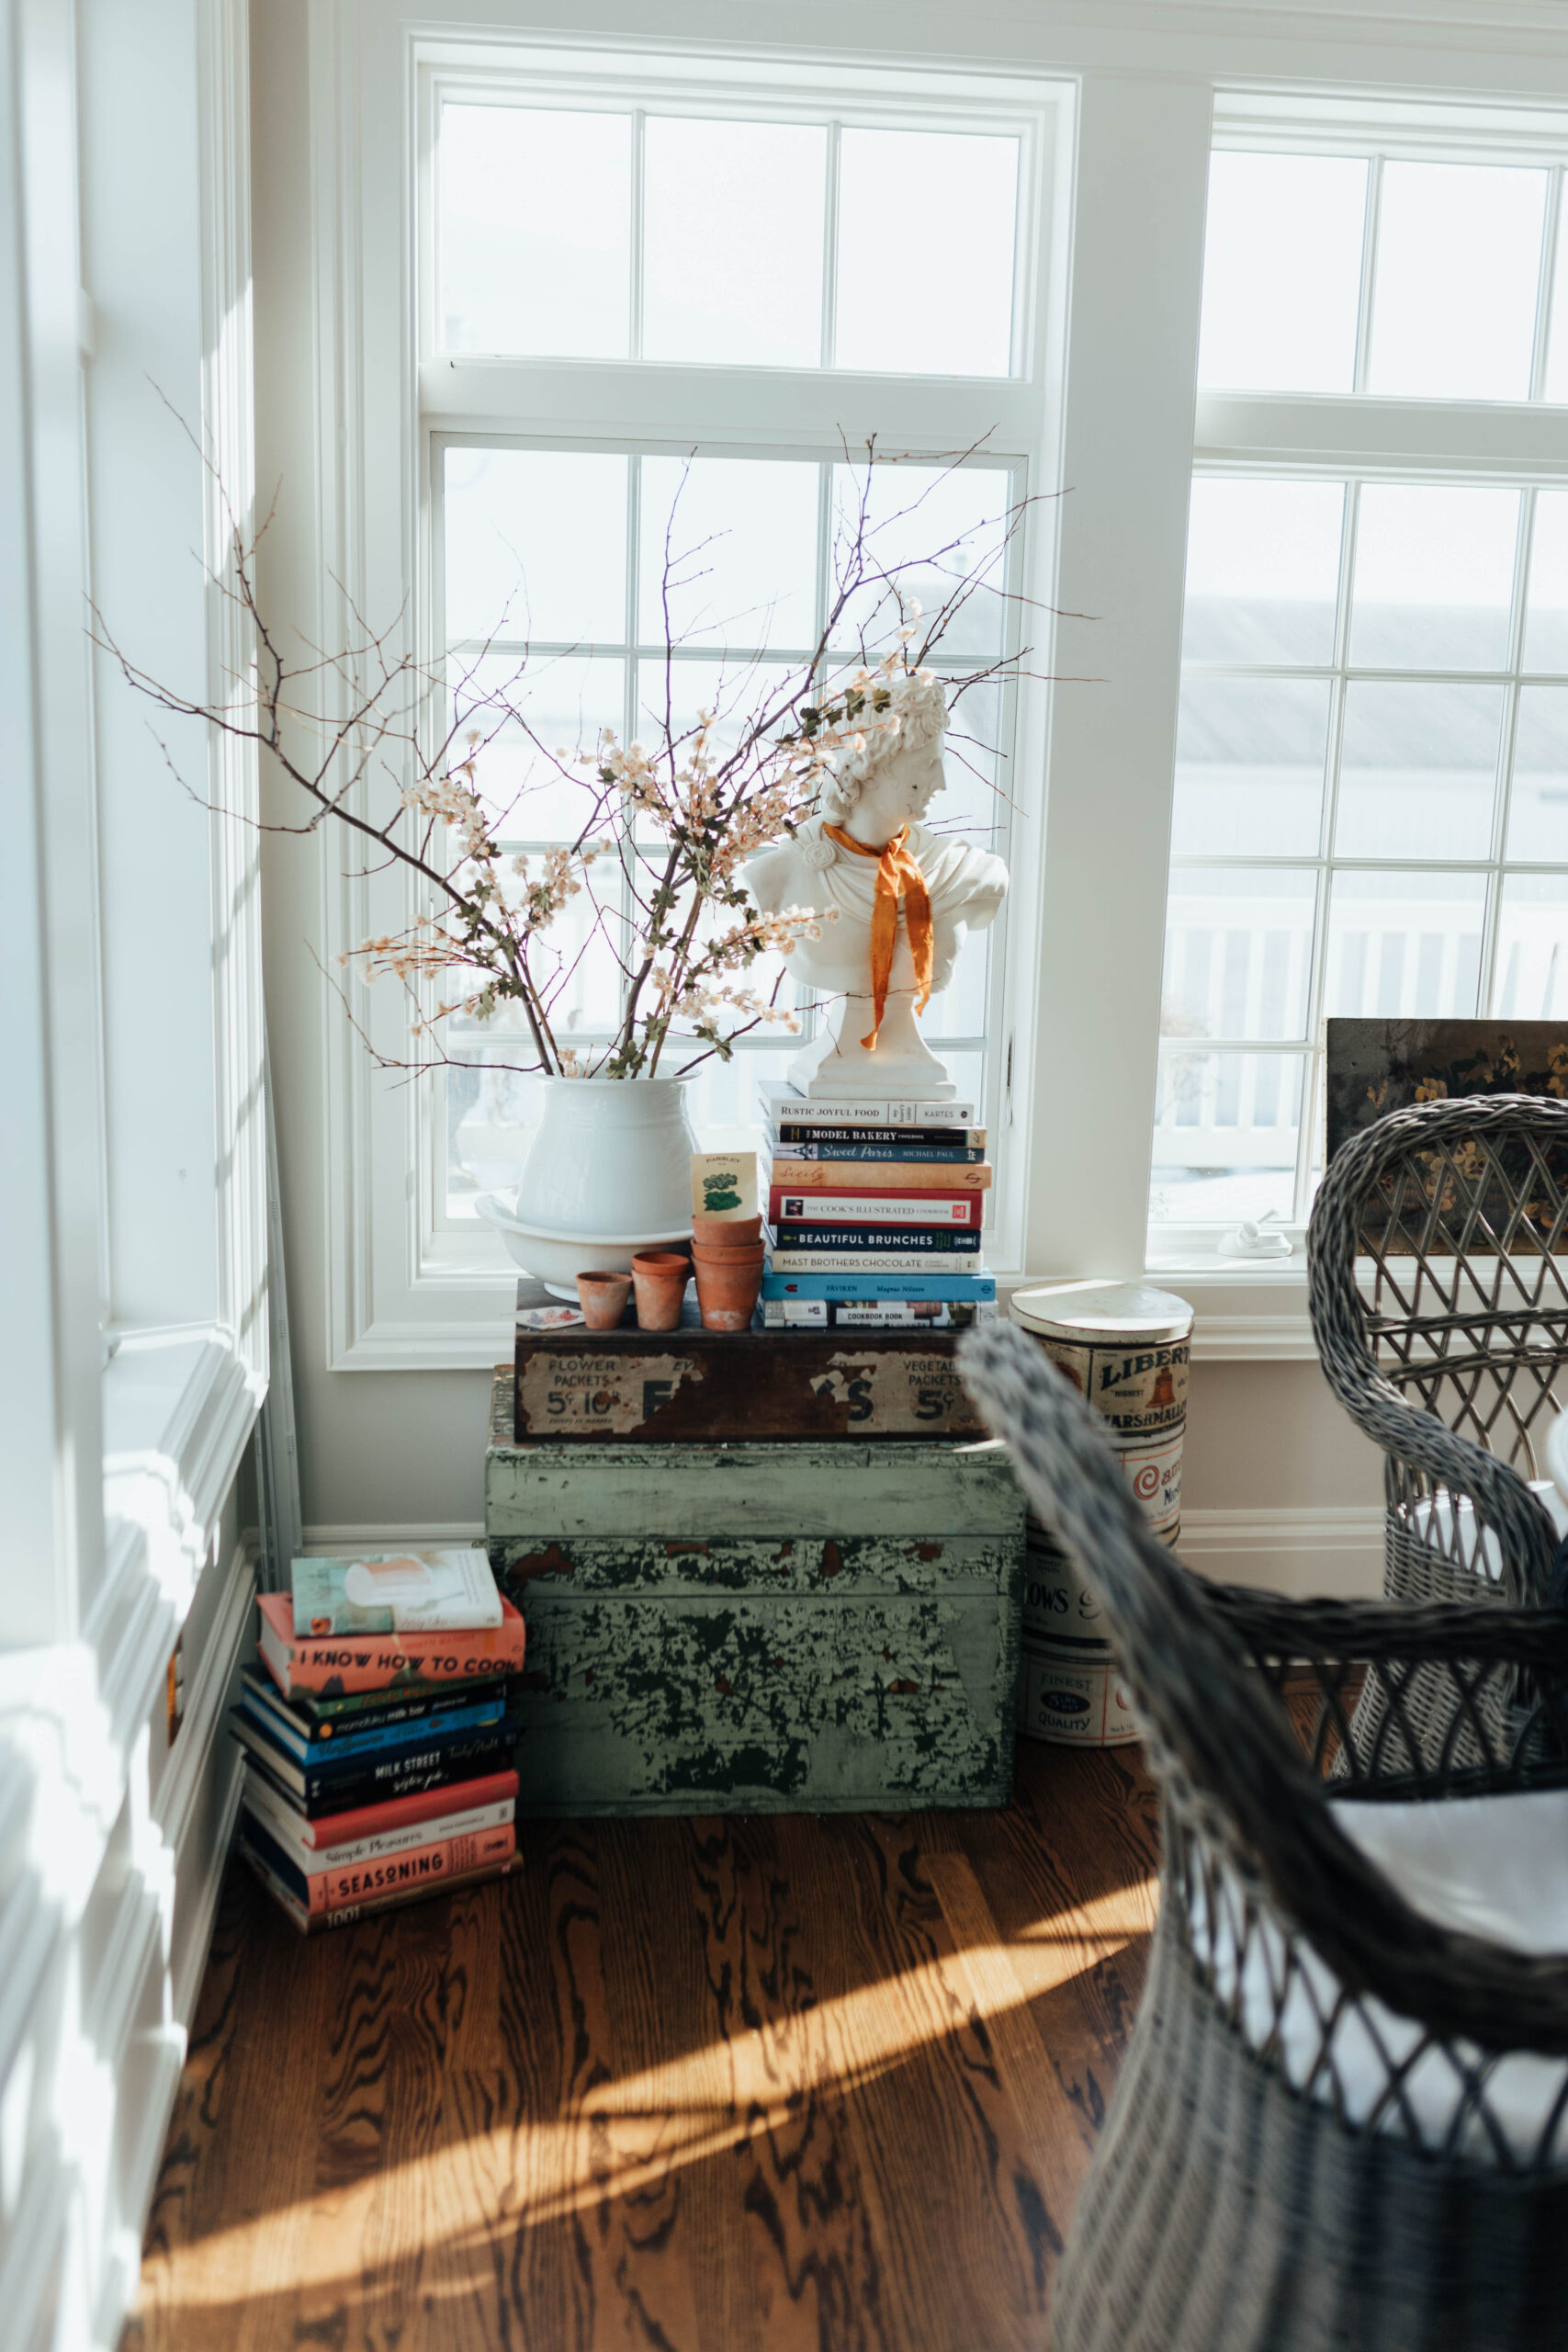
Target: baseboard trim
(365, 1537)
(1307, 1552)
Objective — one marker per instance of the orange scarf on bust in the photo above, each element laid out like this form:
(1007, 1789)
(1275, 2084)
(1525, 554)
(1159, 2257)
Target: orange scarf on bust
(897, 877)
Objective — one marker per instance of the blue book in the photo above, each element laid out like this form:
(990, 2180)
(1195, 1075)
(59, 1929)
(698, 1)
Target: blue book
(277, 1721)
(936, 1285)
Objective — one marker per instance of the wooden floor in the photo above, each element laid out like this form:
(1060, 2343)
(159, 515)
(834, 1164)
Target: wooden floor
(780, 2085)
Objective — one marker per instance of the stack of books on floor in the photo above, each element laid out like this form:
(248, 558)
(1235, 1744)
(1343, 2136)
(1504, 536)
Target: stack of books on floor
(378, 1746)
(875, 1213)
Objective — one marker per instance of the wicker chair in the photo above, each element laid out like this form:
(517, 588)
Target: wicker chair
(1343, 2118)
(1457, 1366)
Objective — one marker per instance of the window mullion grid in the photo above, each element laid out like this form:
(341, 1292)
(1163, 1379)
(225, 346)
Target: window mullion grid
(830, 247)
(631, 681)
(639, 146)
(1369, 273)
(1491, 920)
(1317, 982)
(1552, 231)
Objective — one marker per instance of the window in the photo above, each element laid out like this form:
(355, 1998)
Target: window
(653, 302)
(1370, 810)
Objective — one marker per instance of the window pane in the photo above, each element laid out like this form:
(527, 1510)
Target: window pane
(1226, 1127)
(1237, 952)
(1418, 771)
(1249, 760)
(1282, 272)
(1405, 944)
(535, 232)
(1434, 577)
(579, 960)
(732, 236)
(491, 1118)
(1531, 982)
(927, 225)
(929, 530)
(1538, 798)
(979, 780)
(1458, 263)
(1546, 606)
(564, 701)
(738, 536)
(1262, 571)
(737, 694)
(536, 546)
(960, 1010)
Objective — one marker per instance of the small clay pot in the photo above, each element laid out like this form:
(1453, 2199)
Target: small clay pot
(728, 1288)
(726, 1228)
(659, 1279)
(726, 1252)
(602, 1298)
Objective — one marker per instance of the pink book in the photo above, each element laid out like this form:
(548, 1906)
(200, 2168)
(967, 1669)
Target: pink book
(337, 1663)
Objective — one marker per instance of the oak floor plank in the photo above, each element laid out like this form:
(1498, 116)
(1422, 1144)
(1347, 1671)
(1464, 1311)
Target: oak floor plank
(776, 2084)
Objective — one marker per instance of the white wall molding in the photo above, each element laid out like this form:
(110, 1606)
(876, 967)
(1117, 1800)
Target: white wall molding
(1308, 1552)
(334, 1543)
(105, 1913)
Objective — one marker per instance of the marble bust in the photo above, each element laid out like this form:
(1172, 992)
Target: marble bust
(893, 884)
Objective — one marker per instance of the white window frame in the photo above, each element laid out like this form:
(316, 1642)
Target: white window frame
(1360, 437)
(408, 1288)
(1127, 219)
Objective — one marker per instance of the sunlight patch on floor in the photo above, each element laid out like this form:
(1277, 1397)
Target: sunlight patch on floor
(630, 2135)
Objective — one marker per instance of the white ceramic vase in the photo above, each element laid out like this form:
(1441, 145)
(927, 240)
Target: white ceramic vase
(609, 1172)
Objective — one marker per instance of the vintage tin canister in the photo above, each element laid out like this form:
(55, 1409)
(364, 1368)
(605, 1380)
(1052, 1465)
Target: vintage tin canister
(1073, 1700)
(1125, 1347)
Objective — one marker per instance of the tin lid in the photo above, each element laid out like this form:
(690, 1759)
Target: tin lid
(1085, 1310)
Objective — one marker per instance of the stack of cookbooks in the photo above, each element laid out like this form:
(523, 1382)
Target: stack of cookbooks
(378, 1753)
(875, 1215)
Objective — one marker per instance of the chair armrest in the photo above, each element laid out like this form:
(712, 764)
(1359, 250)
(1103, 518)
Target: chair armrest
(1495, 1634)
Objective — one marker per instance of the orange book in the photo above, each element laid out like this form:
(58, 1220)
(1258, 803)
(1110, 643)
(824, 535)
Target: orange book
(332, 1885)
(338, 1664)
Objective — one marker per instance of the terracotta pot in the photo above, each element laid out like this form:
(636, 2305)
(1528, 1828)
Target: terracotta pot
(726, 1228)
(602, 1298)
(659, 1279)
(728, 1288)
(743, 1253)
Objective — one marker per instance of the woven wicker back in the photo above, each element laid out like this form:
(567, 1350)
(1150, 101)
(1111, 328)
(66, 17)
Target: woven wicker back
(1248, 1807)
(1462, 1209)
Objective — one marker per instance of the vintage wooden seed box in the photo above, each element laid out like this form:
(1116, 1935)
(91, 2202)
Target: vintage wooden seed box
(692, 1386)
(759, 1626)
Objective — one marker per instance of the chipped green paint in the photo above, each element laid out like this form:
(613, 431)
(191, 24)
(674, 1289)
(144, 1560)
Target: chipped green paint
(679, 1566)
(856, 1649)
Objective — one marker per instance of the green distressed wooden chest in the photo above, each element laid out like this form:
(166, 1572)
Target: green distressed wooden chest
(806, 1627)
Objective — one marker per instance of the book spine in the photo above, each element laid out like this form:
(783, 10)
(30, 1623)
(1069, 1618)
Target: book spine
(290, 1827)
(313, 1923)
(930, 1281)
(869, 1173)
(886, 1315)
(345, 1787)
(871, 1262)
(782, 1103)
(368, 1710)
(380, 1740)
(823, 1233)
(426, 1767)
(338, 1667)
(342, 1883)
(791, 1205)
(397, 1812)
(789, 1139)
